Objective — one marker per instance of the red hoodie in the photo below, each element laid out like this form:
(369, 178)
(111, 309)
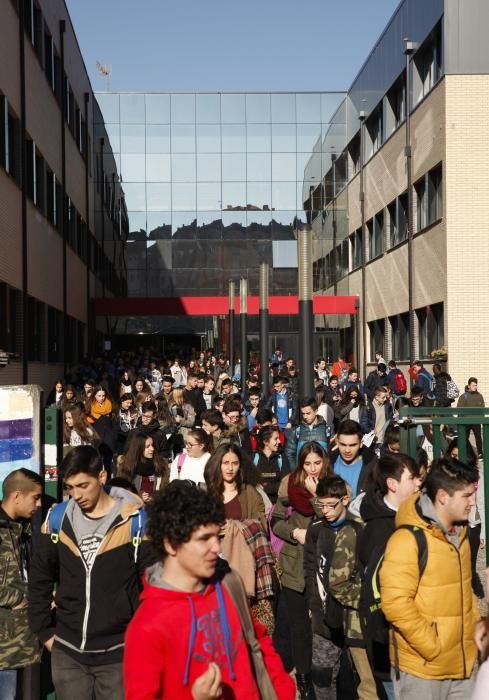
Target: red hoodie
(174, 635)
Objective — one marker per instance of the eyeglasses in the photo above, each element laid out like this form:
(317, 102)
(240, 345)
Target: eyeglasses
(233, 417)
(191, 444)
(327, 506)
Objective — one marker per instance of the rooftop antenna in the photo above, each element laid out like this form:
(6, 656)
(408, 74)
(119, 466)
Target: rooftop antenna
(105, 72)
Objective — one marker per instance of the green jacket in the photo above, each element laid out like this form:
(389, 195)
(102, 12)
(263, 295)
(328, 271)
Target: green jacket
(292, 554)
(345, 580)
(19, 647)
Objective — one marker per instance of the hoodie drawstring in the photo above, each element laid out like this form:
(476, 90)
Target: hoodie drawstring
(193, 632)
(225, 629)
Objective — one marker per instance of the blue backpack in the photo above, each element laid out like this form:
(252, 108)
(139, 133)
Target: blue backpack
(256, 459)
(300, 443)
(138, 524)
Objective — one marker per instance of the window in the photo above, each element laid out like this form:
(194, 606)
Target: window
(429, 198)
(356, 249)
(10, 318)
(374, 131)
(375, 228)
(55, 334)
(377, 335)
(431, 329)
(400, 336)
(9, 140)
(427, 65)
(53, 198)
(398, 216)
(354, 153)
(36, 329)
(395, 106)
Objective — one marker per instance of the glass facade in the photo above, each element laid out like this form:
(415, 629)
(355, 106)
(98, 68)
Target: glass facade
(213, 183)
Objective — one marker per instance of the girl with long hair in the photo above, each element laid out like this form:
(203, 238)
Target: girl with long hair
(234, 483)
(183, 412)
(290, 519)
(77, 430)
(143, 466)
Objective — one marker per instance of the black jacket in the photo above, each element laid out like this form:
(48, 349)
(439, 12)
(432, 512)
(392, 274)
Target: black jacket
(195, 398)
(271, 470)
(93, 608)
(380, 523)
(154, 431)
(374, 380)
(440, 389)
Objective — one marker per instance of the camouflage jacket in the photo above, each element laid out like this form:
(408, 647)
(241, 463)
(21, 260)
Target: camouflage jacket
(18, 646)
(345, 580)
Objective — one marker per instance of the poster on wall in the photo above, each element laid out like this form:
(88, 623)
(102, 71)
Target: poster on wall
(20, 437)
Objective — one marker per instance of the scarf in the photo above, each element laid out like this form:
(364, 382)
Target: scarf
(145, 468)
(98, 410)
(299, 498)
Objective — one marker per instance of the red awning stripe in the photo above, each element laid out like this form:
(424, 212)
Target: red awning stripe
(217, 306)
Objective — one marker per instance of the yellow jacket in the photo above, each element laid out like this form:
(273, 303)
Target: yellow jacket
(433, 617)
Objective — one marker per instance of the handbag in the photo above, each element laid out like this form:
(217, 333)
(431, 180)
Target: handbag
(235, 589)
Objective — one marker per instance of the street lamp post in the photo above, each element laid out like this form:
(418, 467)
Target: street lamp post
(264, 325)
(306, 317)
(243, 310)
(409, 50)
(232, 294)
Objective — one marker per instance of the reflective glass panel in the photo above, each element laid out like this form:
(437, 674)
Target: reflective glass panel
(158, 196)
(284, 195)
(158, 138)
(259, 194)
(233, 138)
(160, 283)
(135, 253)
(208, 138)
(132, 108)
(259, 166)
(157, 109)
(308, 108)
(184, 197)
(158, 167)
(137, 224)
(283, 166)
(158, 254)
(258, 138)
(208, 167)
(135, 195)
(183, 167)
(283, 108)
(234, 224)
(208, 109)
(183, 109)
(183, 138)
(112, 143)
(233, 109)
(233, 166)
(309, 166)
(209, 224)
(308, 137)
(208, 196)
(109, 106)
(184, 226)
(284, 137)
(159, 224)
(259, 225)
(133, 167)
(136, 284)
(133, 138)
(233, 195)
(283, 225)
(257, 107)
(284, 254)
(329, 104)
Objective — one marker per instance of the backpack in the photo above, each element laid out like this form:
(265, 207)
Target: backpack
(256, 459)
(400, 384)
(452, 390)
(180, 460)
(375, 628)
(300, 443)
(57, 513)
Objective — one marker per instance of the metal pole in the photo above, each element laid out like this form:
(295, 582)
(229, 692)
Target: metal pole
(243, 310)
(363, 369)
(232, 294)
(306, 318)
(23, 174)
(335, 241)
(264, 325)
(411, 47)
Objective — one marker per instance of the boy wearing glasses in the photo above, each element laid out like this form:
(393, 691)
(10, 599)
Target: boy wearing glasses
(333, 590)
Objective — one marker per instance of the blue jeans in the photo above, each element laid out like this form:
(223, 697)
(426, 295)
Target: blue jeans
(8, 684)
(389, 689)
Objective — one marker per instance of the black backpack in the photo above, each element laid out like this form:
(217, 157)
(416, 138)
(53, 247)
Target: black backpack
(375, 628)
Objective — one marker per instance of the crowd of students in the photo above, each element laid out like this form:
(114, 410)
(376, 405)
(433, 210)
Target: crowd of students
(358, 562)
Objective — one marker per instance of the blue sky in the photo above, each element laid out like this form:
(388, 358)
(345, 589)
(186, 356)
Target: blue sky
(228, 45)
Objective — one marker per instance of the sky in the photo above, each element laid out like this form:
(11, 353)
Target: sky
(192, 45)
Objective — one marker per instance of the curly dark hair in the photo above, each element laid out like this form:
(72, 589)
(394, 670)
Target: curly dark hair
(177, 511)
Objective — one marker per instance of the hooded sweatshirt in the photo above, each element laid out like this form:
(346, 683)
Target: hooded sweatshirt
(175, 634)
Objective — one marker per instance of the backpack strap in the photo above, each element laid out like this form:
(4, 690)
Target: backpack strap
(180, 460)
(280, 462)
(138, 527)
(55, 520)
(256, 459)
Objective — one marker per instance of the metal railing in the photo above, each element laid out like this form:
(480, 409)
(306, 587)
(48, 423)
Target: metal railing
(460, 420)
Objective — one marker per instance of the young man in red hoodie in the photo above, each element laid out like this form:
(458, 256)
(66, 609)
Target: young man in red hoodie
(186, 639)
